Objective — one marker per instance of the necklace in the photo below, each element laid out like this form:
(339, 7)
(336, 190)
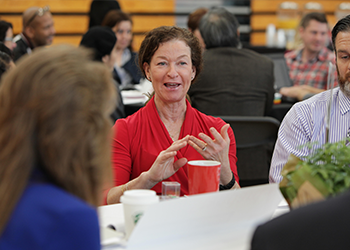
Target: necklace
(174, 136)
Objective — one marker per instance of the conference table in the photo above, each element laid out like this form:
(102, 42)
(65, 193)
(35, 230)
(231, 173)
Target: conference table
(134, 97)
(223, 220)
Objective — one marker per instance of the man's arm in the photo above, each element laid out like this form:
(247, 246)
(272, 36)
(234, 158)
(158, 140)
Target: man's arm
(293, 132)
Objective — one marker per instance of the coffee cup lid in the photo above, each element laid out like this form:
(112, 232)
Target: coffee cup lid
(139, 197)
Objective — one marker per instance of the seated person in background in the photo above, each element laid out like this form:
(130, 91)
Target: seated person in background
(320, 226)
(38, 30)
(308, 66)
(234, 81)
(306, 121)
(155, 143)
(55, 151)
(103, 42)
(126, 71)
(6, 34)
(99, 9)
(193, 23)
(5, 49)
(6, 63)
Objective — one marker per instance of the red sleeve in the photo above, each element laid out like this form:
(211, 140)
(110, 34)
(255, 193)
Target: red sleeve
(121, 157)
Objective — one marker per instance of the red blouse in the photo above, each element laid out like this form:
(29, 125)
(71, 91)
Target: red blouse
(140, 138)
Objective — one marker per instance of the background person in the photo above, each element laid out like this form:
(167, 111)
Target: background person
(155, 143)
(99, 9)
(234, 81)
(193, 23)
(308, 65)
(6, 34)
(103, 42)
(6, 50)
(55, 151)
(6, 63)
(38, 30)
(126, 71)
(306, 121)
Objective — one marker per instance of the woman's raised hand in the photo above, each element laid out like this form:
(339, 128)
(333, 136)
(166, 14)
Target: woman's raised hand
(165, 164)
(216, 149)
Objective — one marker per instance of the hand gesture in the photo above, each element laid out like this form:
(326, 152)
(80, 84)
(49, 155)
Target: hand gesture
(217, 149)
(165, 164)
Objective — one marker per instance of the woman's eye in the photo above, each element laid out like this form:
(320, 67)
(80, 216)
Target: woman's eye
(161, 63)
(183, 63)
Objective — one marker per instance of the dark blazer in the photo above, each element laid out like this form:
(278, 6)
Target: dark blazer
(21, 48)
(234, 82)
(323, 225)
(132, 68)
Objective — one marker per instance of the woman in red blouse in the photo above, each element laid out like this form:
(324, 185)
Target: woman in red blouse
(155, 143)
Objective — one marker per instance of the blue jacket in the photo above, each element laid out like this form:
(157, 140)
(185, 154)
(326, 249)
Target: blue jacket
(47, 217)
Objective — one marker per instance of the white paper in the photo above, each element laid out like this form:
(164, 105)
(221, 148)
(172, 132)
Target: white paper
(112, 215)
(223, 220)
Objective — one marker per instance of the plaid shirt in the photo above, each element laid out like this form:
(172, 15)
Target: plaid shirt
(313, 73)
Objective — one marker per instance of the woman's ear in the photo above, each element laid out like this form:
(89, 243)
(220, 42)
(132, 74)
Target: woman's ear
(193, 72)
(146, 69)
(29, 32)
(105, 59)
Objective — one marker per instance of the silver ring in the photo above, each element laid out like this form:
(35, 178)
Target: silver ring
(205, 148)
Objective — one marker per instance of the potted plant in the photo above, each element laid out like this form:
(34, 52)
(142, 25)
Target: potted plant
(324, 173)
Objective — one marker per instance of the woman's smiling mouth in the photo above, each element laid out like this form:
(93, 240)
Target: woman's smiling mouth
(171, 85)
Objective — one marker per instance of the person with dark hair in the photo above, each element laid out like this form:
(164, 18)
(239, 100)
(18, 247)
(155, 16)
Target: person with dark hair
(308, 65)
(5, 49)
(6, 34)
(38, 30)
(307, 120)
(155, 143)
(99, 9)
(5, 63)
(103, 42)
(55, 150)
(225, 87)
(126, 71)
(193, 23)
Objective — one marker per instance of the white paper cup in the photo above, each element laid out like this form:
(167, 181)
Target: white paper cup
(135, 202)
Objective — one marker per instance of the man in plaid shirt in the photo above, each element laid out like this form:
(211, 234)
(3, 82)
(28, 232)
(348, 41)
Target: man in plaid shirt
(308, 66)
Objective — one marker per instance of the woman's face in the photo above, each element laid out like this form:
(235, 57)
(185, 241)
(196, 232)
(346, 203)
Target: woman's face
(171, 71)
(124, 34)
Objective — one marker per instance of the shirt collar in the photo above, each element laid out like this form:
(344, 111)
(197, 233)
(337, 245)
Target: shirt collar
(344, 103)
(322, 55)
(26, 40)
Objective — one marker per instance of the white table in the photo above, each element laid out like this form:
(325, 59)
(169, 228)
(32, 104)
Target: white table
(113, 215)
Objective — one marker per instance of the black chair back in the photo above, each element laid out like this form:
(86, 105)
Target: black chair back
(255, 139)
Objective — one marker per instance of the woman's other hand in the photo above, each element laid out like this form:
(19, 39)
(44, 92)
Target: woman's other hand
(216, 150)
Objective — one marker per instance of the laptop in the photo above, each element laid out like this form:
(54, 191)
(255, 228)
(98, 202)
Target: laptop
(281, 73)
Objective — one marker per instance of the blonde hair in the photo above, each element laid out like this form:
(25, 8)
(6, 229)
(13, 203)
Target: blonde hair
(54, 117)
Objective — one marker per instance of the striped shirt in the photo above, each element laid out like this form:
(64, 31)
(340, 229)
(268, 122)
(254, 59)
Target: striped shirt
(305, 122)
(314, 72)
